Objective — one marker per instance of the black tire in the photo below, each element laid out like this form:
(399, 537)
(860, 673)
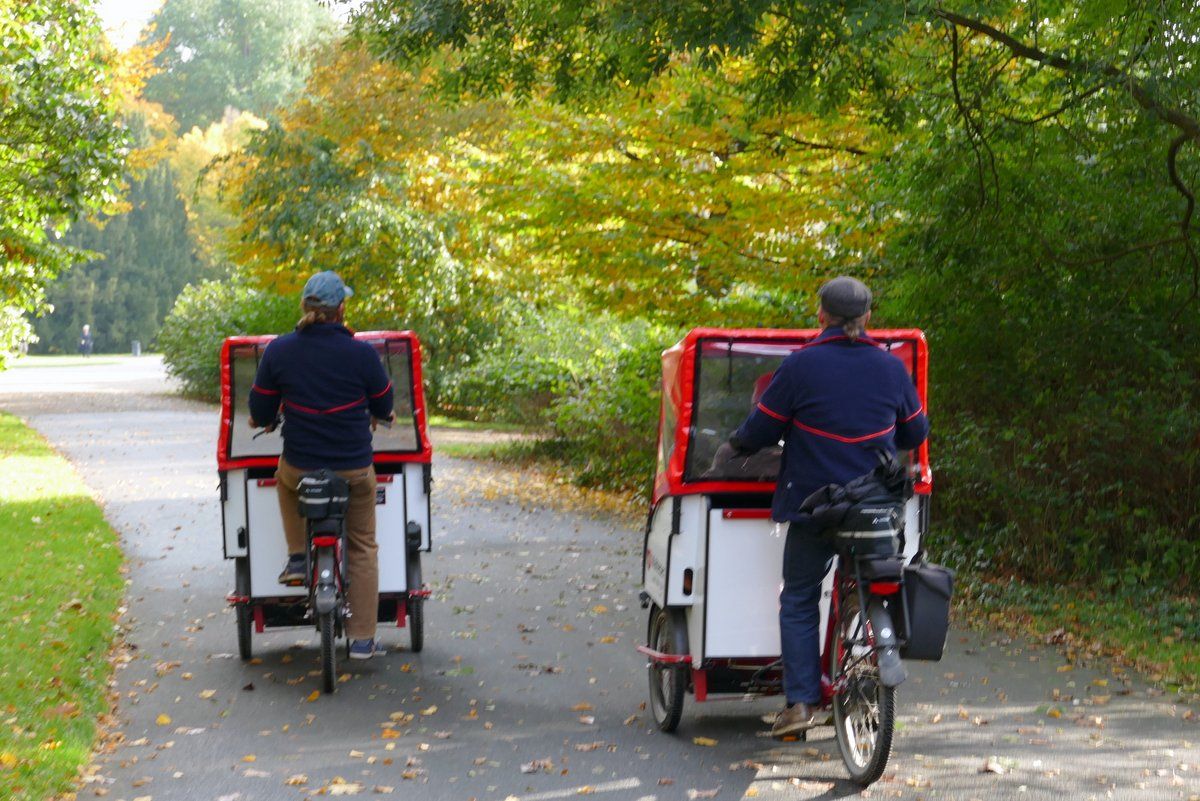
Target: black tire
(327, 625)
(416, 606)
(864, 711)
(243, 611)
(416, 624)
(667, 633)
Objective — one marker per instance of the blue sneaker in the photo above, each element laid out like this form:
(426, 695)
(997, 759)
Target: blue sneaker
(293, 571)
(362, 649)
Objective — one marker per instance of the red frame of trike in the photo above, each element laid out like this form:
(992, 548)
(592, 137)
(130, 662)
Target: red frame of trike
(679, 390)
(424, 455)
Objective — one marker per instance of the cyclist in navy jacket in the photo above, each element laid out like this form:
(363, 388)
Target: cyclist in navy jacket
(832, 402)
(330, 387)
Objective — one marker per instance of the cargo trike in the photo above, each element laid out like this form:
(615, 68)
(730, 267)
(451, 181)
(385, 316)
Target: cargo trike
(712, 567)
(250, 514)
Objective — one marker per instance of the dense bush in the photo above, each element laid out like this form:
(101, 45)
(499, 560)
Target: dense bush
(606, 428)
(204, 315)
(588, 380)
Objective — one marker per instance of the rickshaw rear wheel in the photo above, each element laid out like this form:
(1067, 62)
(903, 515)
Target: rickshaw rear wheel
(327, 625)
(864, 711)
(242, 612)
(667, 634)
(416, 605)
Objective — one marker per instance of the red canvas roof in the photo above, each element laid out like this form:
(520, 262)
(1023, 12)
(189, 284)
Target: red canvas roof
(677, 422)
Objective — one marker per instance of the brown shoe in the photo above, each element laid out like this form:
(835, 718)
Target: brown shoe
(794, 720)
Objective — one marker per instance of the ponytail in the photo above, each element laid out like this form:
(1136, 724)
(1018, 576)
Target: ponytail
(312, 313)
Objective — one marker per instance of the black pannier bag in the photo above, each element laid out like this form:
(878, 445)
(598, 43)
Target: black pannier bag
(323, 494)
(927, 592)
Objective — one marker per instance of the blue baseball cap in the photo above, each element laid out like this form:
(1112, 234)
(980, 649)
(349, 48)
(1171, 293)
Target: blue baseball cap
(327, 289)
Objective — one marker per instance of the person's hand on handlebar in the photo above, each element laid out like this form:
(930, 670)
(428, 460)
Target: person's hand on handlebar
(266, 429)
(386, 421)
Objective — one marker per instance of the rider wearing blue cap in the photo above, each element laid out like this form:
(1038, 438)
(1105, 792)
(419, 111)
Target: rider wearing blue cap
(331, 388)
(833, 402)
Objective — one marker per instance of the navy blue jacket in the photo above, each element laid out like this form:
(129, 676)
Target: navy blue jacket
(832, 402)
(329, 384)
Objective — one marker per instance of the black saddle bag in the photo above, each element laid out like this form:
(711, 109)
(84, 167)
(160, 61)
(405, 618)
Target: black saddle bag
(927, 592)
(323, 494)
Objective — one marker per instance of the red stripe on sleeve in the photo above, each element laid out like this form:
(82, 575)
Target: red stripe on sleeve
(257, 388)
(382, 392)
(767, 411)
(914, 415)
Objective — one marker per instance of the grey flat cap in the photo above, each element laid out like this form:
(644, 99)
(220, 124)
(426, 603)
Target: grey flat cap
(845, 297)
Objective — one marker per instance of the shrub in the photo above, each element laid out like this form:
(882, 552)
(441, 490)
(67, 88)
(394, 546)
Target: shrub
(203, 315)
(590, 381)
(607, 428)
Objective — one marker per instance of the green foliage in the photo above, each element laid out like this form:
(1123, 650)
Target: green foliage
(589, 380)
(62, 147)
(354, 217)
(1022, 186)
(57, 621)
(146, 258)
(204, 315)
(250, 55)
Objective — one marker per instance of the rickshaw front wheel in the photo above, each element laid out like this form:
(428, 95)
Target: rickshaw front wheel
(416, 605)
(667, 634)
(242, 612)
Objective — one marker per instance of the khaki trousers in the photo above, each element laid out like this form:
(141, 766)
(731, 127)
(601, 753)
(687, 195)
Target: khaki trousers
(362, 552)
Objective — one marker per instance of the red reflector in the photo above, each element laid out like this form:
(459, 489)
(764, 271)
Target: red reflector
(884, 587)
(746, 514)
(325, 542)
(687, 581)
(267, 482)
(386, 478)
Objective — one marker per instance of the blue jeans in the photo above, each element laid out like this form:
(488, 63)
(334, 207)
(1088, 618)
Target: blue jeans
(807, 556)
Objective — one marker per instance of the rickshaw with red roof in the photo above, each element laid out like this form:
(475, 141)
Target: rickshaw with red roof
(712, 565)
(252, 529)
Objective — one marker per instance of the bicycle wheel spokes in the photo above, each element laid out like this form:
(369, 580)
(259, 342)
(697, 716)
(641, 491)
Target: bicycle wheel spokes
(863, 709)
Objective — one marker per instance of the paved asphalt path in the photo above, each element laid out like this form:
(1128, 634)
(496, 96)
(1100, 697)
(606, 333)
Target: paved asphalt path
(528, 659)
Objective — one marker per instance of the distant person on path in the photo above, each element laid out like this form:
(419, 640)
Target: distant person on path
(85, 341)
(332, 387)
(832, 402)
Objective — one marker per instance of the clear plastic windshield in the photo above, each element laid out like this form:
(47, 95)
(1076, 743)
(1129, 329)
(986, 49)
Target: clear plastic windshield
(243, 443)
(402, 437)
(396, 356)
(730, 378)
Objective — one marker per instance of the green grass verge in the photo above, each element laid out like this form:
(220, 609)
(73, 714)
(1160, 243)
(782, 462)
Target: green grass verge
(442, 421)
(57, 616)
(1143, 628)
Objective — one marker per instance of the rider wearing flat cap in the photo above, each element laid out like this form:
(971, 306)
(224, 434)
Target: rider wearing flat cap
(833, 402)
(331, 387)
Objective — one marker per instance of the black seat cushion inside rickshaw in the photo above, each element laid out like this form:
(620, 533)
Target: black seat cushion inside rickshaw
(323, 494)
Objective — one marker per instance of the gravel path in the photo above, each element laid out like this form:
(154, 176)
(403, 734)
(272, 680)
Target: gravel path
(528, 661)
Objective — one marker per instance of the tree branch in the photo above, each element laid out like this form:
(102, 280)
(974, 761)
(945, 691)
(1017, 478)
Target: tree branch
(962, 110)
(1068, 104)
(1110, 257)
(1137, 89)
(817, 145)
(1173, 171)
